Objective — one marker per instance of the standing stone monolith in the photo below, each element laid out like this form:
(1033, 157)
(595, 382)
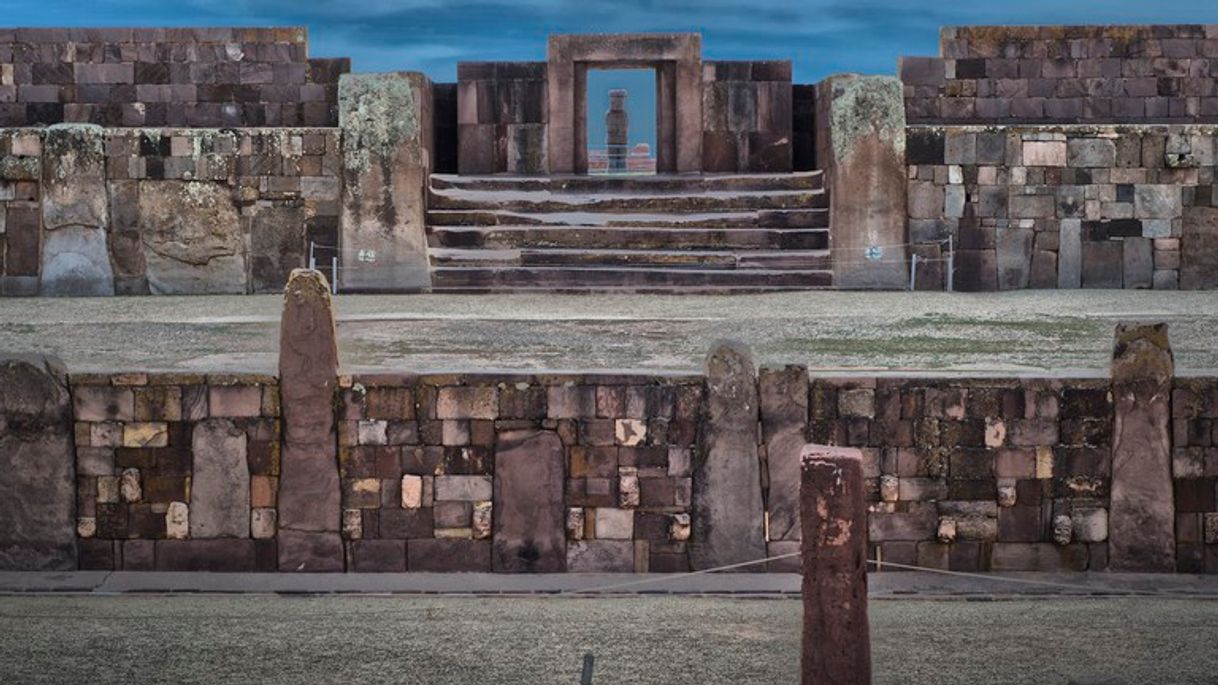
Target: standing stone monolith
(1141, 521)
(728, 525)
(528, 513)
(75, 212)
(309, 499)
(860, 142)
(37, 466)
(784, 423)
(386, 122)
(617, 127)
(836, 636)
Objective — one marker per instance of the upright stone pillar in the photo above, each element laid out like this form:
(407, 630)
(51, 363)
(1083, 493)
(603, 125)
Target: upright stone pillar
(386, 122)
(784, 424)
(37, 467)
(617, 130)
(309, 500)
(1141, 520)
(528, 518)
(728, 524)
(75, 212)
(836, 636)
(860, 143)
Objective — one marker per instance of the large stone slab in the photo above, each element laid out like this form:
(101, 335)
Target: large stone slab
(860, 142)
(75, 212)
(220, 481)
(1141, 522)
(386, 122)
(37, 466)
(727, 508)
(1013, 253)
(1199, 249)
(277, 237)
(529, 518)
(192, 236)
(309, 495)
(784, 424)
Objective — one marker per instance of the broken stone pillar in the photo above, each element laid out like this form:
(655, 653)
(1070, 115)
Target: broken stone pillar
(836, 636)
(386, 122)
(860, 141)
(529, 517)
(309, 502)
(1141, 523)
(75, 212)
(617, 126)
(37, 466)
(784, 424)
(727, 507)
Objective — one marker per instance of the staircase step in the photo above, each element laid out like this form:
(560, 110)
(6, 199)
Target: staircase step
(813, 180)
(673, 259)
(803, 218)
(601, 237)
(631, 279)
(546, 201)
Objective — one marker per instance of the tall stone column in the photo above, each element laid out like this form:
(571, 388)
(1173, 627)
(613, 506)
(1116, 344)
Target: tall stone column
(617, 130)
(860, 143)
(784, 425)
(728, 513)
(386, 122)
(1141, 520)
(309, 498)
(37, 466)
(75, 212)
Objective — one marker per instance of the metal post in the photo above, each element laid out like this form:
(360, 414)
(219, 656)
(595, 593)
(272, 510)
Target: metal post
(312, 257)
(334, 274)
(913, 272)
(951, 263)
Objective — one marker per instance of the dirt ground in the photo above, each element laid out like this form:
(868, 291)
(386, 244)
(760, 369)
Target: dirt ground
(1030, 332)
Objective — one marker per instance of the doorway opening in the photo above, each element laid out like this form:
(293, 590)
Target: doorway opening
(621, 121)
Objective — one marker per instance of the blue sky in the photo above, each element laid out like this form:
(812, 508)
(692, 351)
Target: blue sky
(821, 36)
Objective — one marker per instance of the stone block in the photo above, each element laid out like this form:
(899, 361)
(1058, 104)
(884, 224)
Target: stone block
(1013, 253)
(1070, 255)
(1102, 264)
(783, 395)
(193, 238)
(75, 212)
(378, 556)
(220, 483)
(1138, 263)
(1091, 152)
(1038, 556)
(1158, 202)
(444, 555)
(37, 467)
(478, 402)
(463, 488)
(600, 556)
(614, 524)
(102, 403)
(1199, 249)
(1045, 153)
(220, 555)
(528, 502)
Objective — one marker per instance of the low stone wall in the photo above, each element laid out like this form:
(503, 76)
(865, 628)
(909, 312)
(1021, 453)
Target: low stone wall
(92, 211)
(422, 456)
(748, 116)
(176, 472)
(1064, 206)
(1195, 473)
(165, 77)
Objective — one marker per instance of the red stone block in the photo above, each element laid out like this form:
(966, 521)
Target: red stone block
(378, 556)
(448, 555)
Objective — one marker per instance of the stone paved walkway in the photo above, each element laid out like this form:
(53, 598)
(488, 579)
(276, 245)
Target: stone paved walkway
(1030, 332)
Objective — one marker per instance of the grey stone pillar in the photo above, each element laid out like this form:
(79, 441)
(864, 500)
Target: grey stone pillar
(860, 141)
(75, 212)
(1141, 520)
(386, 122)
(727, 507)
(784, 424)
(37, 466)
(309, 498)
(836, 635)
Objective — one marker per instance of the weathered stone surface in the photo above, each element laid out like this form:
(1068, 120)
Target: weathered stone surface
(445, 555)
(309, 496)
(600, 556)
(1141, 523)
(529, 512)
(1070, 255)
(784, 422)
(836, 636)
(37, 470)
(193, 242)
(222, 555)
(378, 556)
(277, 245)
(727, 507)
(861, 132)
(75, 213)
(220, 482)
(1138, 263)
(1013, 252)
(1199, 249)
(386, 123)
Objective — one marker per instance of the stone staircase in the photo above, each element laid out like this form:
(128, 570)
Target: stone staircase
(629, 233)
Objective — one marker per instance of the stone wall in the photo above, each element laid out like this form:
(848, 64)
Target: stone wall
(423, 466)
(198, 77)
(1065, 74)
(176, 472)
(1195, 473)
(747, 116)
(1064, 206)
(170, 211)
(501, 117)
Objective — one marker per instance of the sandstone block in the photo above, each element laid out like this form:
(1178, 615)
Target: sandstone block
(529, 520)
(600, 556)
(220, 483)
(463, 488)
(177, 521)
(262, 523)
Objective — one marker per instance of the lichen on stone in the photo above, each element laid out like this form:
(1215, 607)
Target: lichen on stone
(866, 105)
(376, 113)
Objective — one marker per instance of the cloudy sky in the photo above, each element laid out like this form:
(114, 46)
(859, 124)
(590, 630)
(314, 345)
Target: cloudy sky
(821, 36)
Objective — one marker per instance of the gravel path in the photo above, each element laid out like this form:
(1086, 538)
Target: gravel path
(1025, 332)
(703, 640)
